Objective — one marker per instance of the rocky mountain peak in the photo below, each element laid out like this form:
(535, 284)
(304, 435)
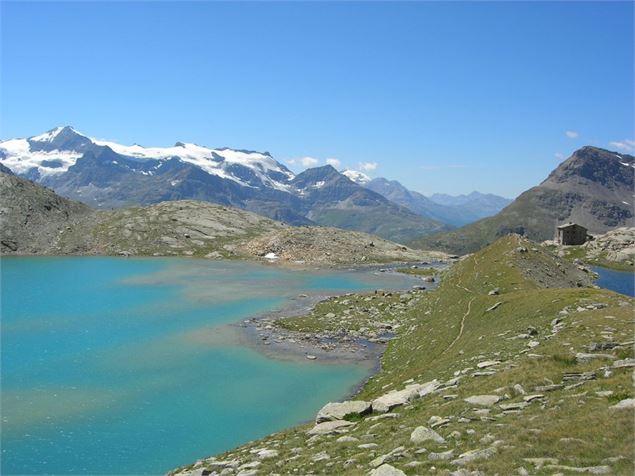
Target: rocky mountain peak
(594, 165)
(60, 138)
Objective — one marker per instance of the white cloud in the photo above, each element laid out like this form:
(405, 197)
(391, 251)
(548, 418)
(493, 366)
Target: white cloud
(290, 161)
(334, 162)
(368, 166)
(309, 161)
(558, 156)
(626, 145)
(571, 134)
(441, 167)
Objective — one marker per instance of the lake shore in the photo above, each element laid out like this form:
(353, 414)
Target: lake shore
(266, 334)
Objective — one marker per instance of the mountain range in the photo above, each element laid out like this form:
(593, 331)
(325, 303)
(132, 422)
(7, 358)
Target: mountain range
(105, 174)
(34, 220)
(593, 187)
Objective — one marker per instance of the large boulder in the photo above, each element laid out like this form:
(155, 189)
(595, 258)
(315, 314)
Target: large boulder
(421, 434)
(339, 411)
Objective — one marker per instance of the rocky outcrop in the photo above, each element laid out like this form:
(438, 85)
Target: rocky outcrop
(616, 245)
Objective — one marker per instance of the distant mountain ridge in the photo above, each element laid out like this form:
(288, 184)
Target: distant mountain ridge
(105, 174)
(452, 210)
(481, 204)
(456, 214)
(593, 187)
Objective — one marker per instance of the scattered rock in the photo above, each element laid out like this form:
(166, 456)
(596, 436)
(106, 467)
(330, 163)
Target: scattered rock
(588, 469)
(582, 358)
(495, 306)
(513, 406)
(487, 363)
(443, 456)
(347, 439)
(393, 399)
(530, 398)
(322, 456)
(474, 455)
(628, 403)
(540, 462)
(266, 454)
(618, 364)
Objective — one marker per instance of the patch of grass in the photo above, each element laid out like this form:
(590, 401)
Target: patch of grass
(353, 417)
(619, 396)
(564, 360)
(418, 271)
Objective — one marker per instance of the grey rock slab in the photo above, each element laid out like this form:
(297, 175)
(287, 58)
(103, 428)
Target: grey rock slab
(625, 404)
(339, 411)
(487, 363)
(393, 399)
(265, 454)
(483, 400)
(422, 434)
(474, 455)
(587, 469)
(513, 406)
(347, 439)
(386, 470)
(383, 416)
(530, 398)
(624, 363)
(582, 357)
(540, 462)
(443, 456)
(329, 427)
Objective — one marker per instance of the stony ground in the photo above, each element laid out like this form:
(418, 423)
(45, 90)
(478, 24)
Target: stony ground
(514, 365)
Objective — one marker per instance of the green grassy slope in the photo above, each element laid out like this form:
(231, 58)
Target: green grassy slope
(533, 326)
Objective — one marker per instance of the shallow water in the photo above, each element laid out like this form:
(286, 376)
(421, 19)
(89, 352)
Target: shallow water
(122, 366)
(619, 281)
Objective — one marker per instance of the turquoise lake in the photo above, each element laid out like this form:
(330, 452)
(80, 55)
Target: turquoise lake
(122, 366)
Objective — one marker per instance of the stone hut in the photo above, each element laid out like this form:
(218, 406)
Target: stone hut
(571, 234)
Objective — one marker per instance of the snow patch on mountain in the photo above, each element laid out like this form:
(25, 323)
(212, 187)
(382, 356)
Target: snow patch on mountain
(357, 177)
(18, 156)
(48, 136)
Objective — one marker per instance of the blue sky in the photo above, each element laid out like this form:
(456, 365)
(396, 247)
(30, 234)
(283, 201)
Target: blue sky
(444, 97)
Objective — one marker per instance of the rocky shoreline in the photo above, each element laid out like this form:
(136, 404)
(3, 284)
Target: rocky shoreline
(265, 333)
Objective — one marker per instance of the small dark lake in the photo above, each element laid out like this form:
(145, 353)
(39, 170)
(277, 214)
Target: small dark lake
(619, 281)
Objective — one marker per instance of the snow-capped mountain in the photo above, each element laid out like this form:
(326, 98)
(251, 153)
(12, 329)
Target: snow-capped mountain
(57, 150)
(106, 174)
